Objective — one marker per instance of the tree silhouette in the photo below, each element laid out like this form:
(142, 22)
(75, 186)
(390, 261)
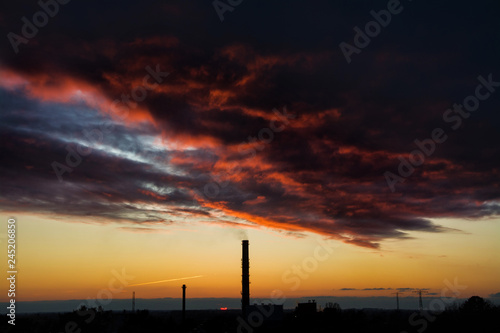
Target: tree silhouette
(476, 304)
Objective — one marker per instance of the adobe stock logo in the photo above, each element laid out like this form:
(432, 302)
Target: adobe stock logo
(297, 273)
(248, 148)
(29, 30)
(221, 7)
(372, 29)
(455, 117)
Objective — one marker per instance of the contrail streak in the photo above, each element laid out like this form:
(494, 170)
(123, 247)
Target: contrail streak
(184, 278)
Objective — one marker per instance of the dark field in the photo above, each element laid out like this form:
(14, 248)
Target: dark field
(474, 315)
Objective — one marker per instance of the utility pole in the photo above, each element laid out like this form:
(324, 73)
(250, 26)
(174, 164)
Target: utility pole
(397, 299)
(420, 292)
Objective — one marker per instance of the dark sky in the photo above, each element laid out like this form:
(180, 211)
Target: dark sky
(185, 151)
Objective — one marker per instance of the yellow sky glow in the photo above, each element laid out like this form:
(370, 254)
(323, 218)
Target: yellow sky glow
(59, 260)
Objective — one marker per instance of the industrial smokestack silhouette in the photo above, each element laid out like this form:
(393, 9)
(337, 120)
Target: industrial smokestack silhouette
(183, 303)
(133, 302)
(245, 277)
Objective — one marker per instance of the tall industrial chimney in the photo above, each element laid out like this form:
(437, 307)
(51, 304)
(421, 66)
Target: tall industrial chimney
(245, 277)
(183, 303)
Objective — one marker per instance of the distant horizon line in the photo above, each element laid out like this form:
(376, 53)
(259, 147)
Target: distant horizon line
(258, 298)
(409, 302)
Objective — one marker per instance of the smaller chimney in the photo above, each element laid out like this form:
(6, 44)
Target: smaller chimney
(133, 302)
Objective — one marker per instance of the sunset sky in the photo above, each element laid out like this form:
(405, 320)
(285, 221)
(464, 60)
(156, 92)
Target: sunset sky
(153, 137)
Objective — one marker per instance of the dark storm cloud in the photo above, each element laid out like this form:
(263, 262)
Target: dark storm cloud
(103, 186)
(323, 172)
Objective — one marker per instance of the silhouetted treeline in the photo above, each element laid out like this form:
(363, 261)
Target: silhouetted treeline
(474, 315)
